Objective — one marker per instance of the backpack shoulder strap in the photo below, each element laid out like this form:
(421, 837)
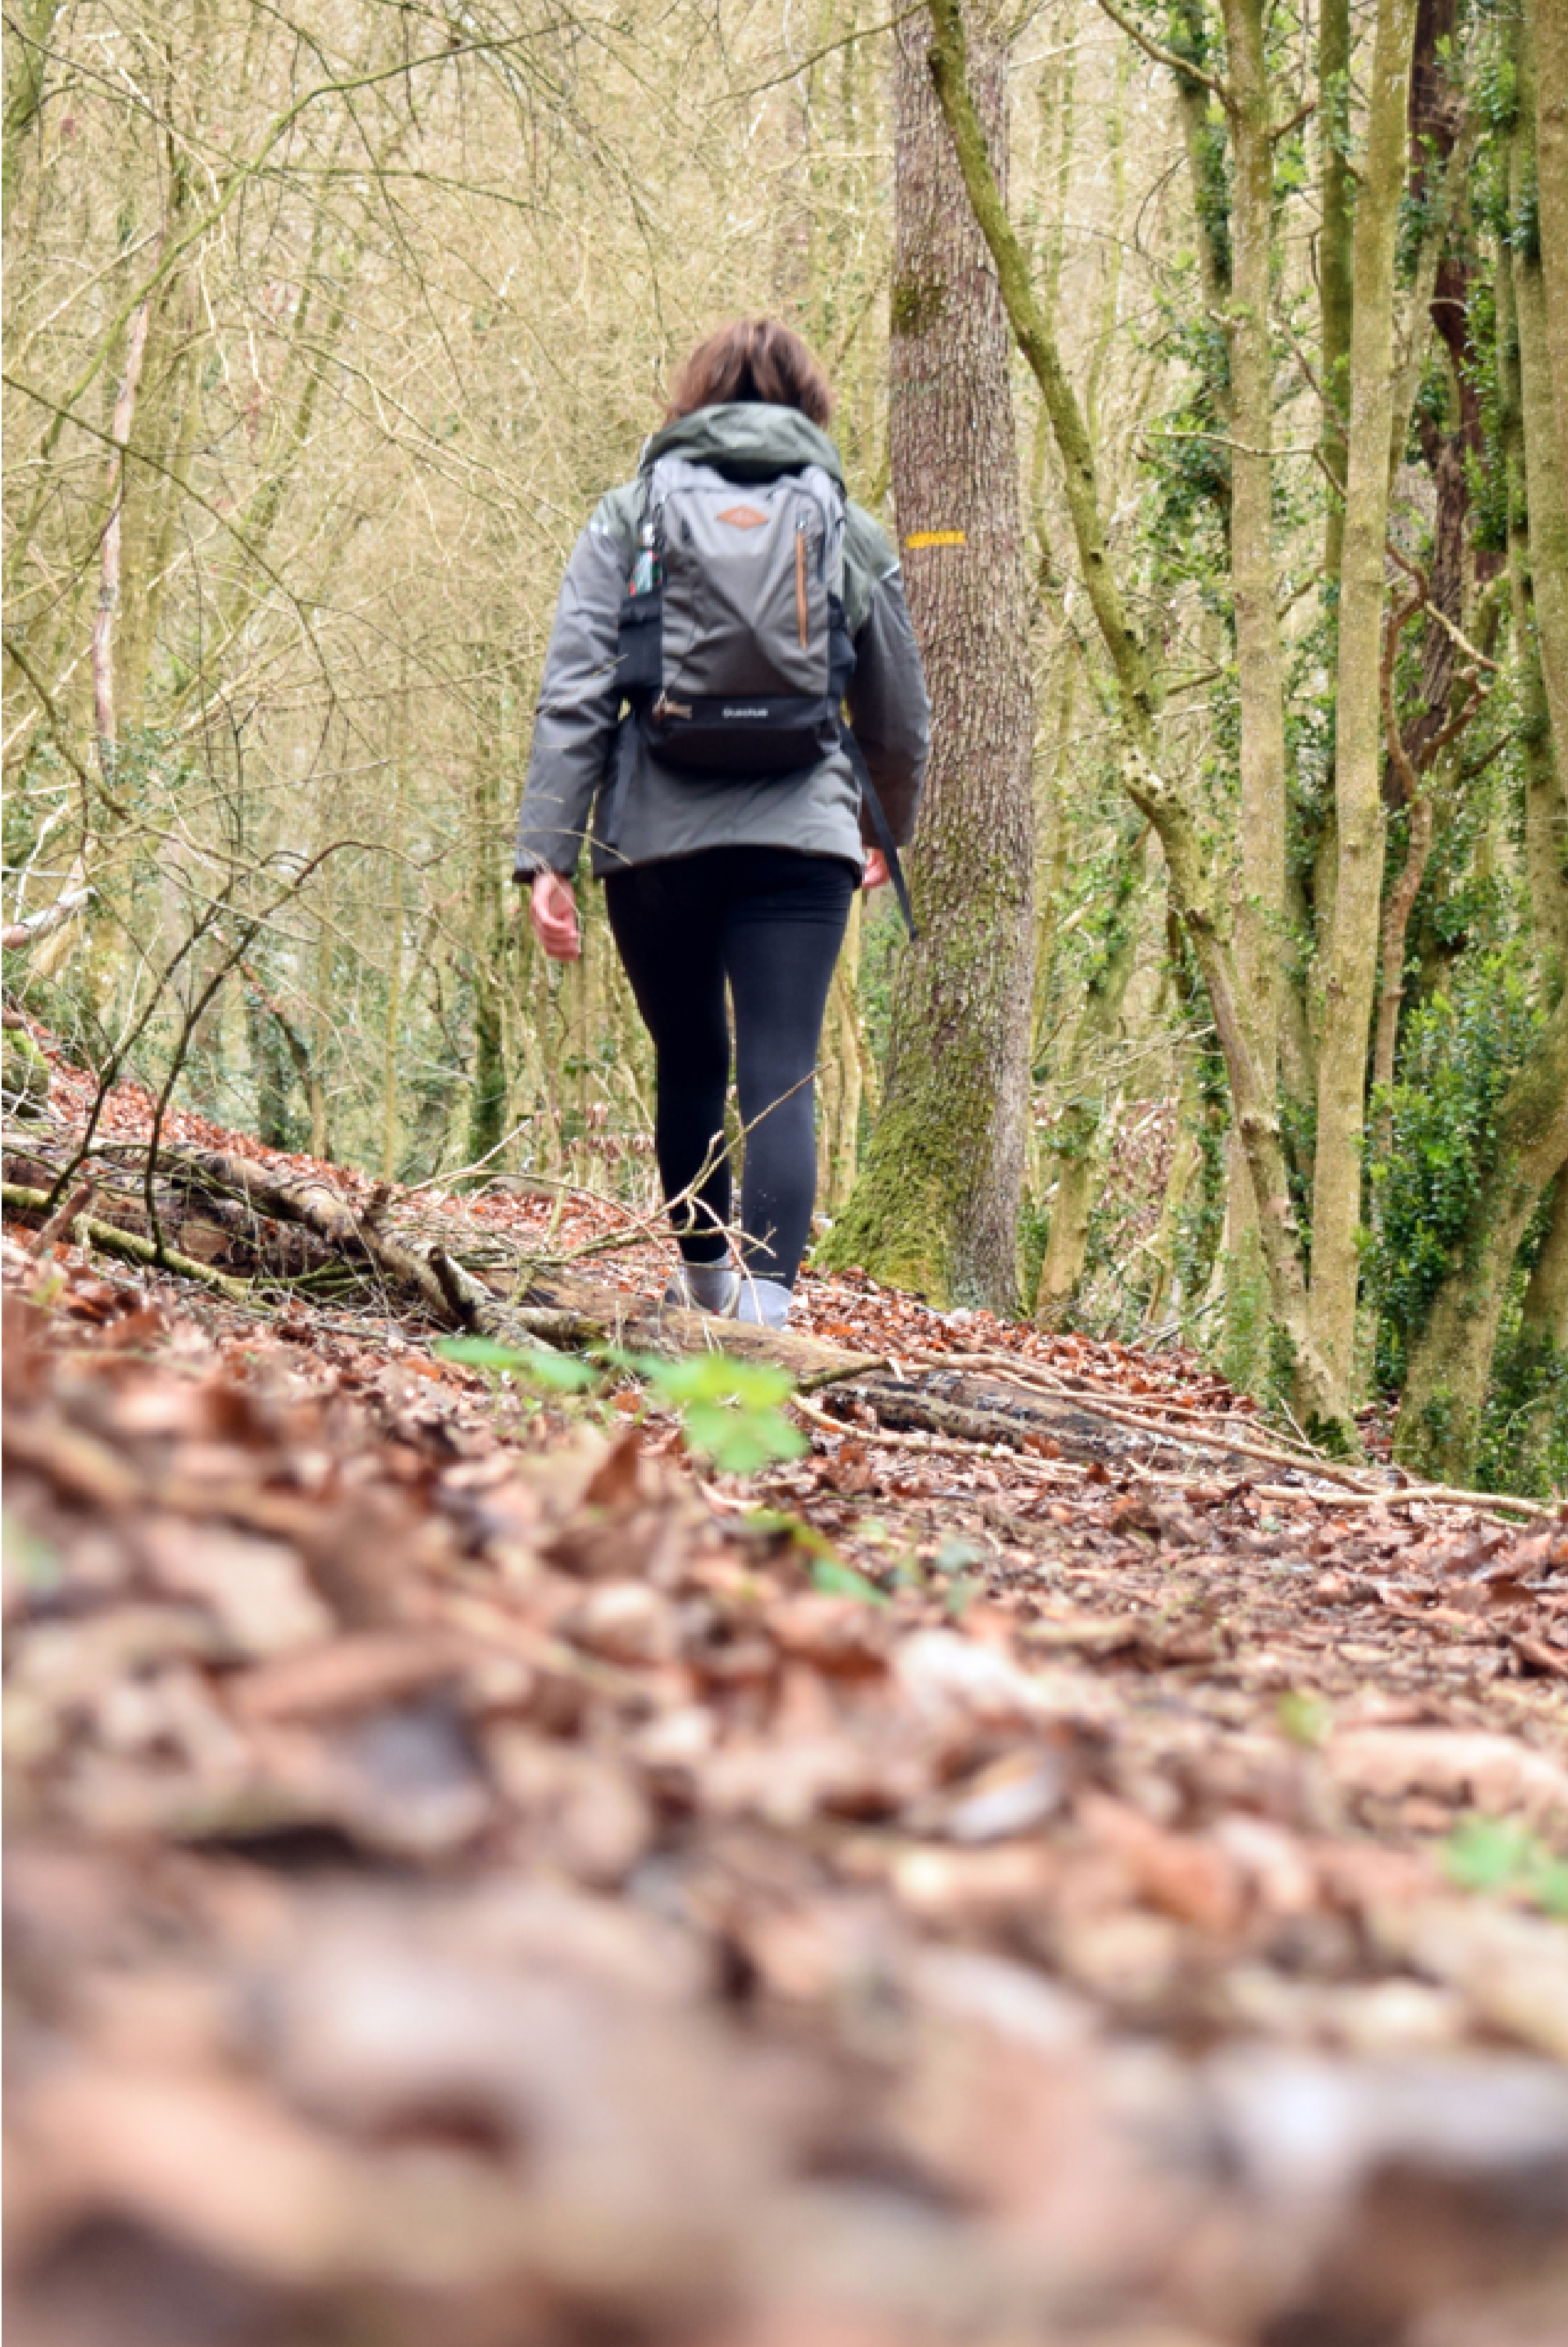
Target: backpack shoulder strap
(880, 826)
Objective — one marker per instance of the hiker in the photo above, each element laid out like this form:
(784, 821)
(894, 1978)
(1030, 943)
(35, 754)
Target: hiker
(717, 616)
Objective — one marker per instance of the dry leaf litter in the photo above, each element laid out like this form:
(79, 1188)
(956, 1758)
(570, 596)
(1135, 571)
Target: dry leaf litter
(478, 1877)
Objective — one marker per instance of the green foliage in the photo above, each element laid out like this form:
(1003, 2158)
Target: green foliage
(731, 1410)
(1305, 1717)
(534, 1364)
(1501, 1854)
(835, 1579)
(1460, 1051)
(1523, 1440)
(25, 1082)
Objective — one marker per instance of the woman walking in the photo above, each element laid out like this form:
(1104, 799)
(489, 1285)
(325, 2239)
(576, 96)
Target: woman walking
(718, 615)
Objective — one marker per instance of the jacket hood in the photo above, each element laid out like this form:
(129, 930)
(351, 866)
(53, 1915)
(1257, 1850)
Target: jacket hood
(748, 440)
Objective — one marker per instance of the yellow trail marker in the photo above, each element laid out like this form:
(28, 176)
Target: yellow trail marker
(936, 537)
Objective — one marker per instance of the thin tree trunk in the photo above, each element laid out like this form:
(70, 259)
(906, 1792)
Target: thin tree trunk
(1186, 1158)
(936, 1208)
(1548, 22)
(1351, 977)
(1546, 483)
(489, 936)
(1254, 579)
(23, 102)
(1079, 1146)
(1335, 298)
(1546, 810)
(392, 1038)
(109, 559)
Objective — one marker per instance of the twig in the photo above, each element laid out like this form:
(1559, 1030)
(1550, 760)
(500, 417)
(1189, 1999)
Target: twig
(111, 1240)
(17, 935)
(1226, 1444)
(64, 1214)
(885, 1436)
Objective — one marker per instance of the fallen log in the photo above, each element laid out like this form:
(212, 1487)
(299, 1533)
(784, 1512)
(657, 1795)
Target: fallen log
(109, 1239)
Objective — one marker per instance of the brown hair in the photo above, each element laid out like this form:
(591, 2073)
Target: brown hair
(756, 359)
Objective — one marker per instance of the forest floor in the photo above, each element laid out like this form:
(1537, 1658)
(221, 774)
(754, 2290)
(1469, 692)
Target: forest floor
(479, 1876)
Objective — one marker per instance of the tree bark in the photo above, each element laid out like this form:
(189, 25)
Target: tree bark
(1350, 978)
(1544, 1322)
(1548, 25)
(1450, 1360)
(1079, 1145)
(1335, 303)
(1545, 814)
(1254, 580)
(1546, 482)
(491, 938)
(937, 1207)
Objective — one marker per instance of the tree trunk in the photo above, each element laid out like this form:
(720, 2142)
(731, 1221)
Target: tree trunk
(1545, 814)
(1255, 589)
(936, 1208)
(1451, 1360)
(1079, 1145)
(1546, 489)
(1544, 1322)
(1335, 297)
(491, 937)
(1549, 25)
(35, 24)
(1350, 978)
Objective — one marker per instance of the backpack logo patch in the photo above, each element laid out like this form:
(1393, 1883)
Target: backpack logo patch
(743, 517)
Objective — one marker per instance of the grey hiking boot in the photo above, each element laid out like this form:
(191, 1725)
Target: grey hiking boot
(713, 1287)
(765, 1302)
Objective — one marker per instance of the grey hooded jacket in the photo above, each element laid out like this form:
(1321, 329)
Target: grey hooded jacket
(591, 773)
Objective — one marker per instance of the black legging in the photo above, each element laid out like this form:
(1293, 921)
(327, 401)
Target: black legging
(770, 922)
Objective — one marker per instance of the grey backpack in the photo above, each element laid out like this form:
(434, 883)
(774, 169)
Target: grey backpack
(735, 652)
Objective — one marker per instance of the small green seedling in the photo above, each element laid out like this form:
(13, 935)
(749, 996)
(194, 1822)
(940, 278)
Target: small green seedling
(1503, 1854)
(781, 1525)
(833, 1578)
(1303, 1716)
(534, 1364)
(731, 1411)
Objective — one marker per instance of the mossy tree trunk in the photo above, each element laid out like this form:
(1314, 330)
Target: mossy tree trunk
(1548, 23)
(1450, 1360)
(1539, 365)
(490, 935)
(1349, 979)
(937, 1207)
(1079, 1142)
(1334, 293)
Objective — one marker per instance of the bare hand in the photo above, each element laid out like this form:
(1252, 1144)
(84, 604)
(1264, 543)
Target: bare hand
(552, 909)
(876, 875)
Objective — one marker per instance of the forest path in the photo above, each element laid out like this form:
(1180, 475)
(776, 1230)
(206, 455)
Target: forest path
(478, 1876)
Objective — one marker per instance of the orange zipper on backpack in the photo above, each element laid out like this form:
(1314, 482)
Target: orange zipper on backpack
(799, 611)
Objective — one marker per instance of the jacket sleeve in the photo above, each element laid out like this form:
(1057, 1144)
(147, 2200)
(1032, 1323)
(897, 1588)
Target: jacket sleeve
(888, 710)
(578, 707)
